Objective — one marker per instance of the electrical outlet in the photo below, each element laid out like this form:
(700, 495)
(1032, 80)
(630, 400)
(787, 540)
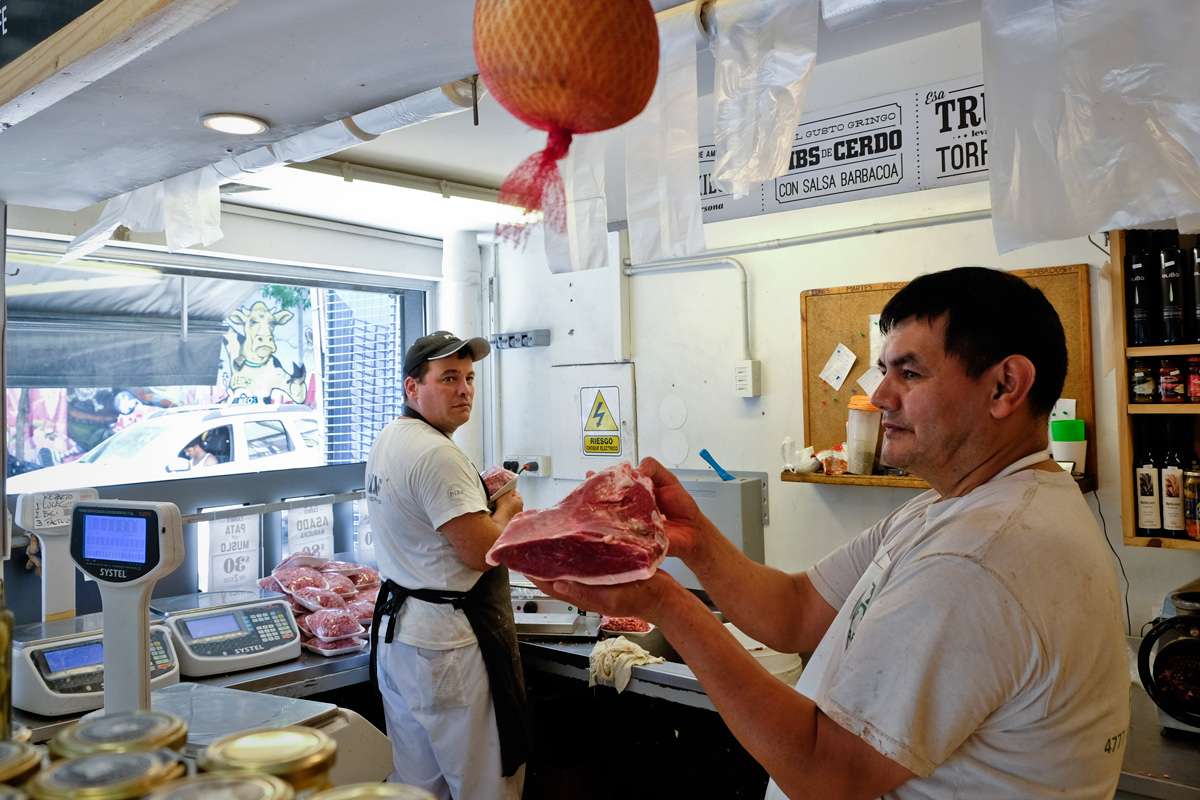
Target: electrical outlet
(747, 378)
(534, 466)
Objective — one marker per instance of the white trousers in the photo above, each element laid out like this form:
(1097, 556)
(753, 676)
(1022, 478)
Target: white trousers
(440, 720)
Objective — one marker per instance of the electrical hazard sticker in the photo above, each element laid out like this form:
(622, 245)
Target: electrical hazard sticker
(601, 427)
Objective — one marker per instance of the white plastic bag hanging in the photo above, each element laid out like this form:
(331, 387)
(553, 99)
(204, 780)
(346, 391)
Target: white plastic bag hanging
(842, 14)
(584, 242)
(1093, 123)
(140, 210)
(192, 209)
(765, 50)
(662, 204)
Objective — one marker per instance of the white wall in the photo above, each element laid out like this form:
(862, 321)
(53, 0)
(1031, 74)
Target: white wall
(684, 334)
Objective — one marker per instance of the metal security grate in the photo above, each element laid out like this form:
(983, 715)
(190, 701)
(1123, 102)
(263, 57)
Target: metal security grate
(362, 387)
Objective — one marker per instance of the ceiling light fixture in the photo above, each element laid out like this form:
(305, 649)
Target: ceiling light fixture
(240, 124)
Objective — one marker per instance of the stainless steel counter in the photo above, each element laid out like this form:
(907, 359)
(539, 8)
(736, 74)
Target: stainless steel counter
(308, 675)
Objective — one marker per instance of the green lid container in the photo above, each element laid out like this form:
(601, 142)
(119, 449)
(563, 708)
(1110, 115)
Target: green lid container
(1067, 430)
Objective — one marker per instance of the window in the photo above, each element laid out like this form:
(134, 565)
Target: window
(125, 363)
(267, 438)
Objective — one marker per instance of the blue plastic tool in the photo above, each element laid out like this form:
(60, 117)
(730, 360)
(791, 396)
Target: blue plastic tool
(712, 462)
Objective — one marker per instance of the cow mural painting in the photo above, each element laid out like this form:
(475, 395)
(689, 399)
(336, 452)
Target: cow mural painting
(256, 374)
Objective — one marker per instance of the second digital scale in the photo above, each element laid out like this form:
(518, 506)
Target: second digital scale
(219, 632)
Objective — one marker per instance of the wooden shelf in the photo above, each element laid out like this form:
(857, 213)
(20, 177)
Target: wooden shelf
(1163, 350)
(1086, 483)
(1166, 544)
(1163, 408)
(903, 482)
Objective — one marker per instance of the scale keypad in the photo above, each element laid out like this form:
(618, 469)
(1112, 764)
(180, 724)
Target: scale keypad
(262, 628)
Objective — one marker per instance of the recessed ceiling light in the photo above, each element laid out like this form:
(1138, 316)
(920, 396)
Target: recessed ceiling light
(240, 124)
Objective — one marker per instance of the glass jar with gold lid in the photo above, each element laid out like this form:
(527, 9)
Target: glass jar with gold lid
(224, 786)
(120, 733)
(301, 756)
(374, 791)
(9, 793)
(19, 761)
(106, 776)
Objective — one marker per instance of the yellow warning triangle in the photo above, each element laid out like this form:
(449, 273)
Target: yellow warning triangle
(600, 419)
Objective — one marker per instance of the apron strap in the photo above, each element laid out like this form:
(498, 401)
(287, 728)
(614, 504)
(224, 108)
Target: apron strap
(390, 600)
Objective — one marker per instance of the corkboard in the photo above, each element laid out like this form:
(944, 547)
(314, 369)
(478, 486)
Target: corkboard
(840, 315)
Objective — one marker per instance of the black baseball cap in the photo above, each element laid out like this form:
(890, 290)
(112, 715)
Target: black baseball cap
(440, 344)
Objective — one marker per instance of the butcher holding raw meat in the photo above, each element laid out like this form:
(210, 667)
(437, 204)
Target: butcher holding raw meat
(606, 531)
(449, 671)
(968, 645)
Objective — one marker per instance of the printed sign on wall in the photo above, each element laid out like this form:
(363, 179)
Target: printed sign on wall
(904, 142)
(234, 553)
(310, 530)
(601, 421)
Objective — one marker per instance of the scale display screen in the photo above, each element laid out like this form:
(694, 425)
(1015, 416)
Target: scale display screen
(212, 626)
(86, 655)
(114, 538)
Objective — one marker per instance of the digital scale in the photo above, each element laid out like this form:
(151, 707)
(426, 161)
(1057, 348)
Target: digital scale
(58, 666)
(47, 515)
(230, 631)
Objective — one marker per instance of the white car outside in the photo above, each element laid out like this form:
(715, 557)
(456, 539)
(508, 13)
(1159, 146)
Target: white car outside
(242, 438)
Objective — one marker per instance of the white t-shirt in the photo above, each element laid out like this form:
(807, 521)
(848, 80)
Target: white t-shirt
(417, 480)
(979, 643)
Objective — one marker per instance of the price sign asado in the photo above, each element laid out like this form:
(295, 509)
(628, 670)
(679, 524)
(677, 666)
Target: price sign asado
(310, 530)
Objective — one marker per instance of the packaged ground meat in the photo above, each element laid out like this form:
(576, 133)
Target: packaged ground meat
(334, 623)
(342, 567)
(302, 623)
(293, 578)
(496, 478)
(352, 644)
(269, 584)
(315, 599)
(625, 624)
(340, 583)
(365, 578)
(363, 610)
(297, 609)
(369, 593)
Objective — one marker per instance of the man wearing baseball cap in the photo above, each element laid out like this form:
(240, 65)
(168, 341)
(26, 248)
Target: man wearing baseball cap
(448, 668)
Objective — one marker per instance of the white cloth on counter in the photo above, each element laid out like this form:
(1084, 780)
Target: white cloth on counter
(614, 660)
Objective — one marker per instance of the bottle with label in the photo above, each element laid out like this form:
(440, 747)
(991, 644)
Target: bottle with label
(1171, 475)
(1145, 481)
(1140, 300)
(1171, 267)
(1191, 504)
(1172, 383)
(1143, 382)
(1193, 379)
(1193, 275)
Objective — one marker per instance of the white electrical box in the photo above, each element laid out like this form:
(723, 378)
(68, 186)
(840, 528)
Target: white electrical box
(592, 417)
(747, 378)
(531, 466)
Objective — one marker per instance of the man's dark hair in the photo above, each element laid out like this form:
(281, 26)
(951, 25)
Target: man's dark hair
(990, 315)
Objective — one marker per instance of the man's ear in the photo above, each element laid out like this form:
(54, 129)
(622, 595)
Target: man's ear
(1013, 379)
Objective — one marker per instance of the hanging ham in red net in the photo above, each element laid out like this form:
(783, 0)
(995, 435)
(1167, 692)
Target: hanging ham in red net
(563, 67)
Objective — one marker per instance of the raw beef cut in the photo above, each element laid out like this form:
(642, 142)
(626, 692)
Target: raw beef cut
(495, 479)
(607, 531)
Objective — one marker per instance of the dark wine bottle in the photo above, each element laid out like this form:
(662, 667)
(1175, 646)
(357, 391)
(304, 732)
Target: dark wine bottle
(1140, 291)
(1193, 273)
(1171, 476)
(1145, 481)
(1171, 267)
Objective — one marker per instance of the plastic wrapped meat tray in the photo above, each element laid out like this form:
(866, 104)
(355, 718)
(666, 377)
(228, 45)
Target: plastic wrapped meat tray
(337, 647)
(334, 623)
(315, 599)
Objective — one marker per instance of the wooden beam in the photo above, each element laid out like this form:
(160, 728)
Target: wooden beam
(98, 42)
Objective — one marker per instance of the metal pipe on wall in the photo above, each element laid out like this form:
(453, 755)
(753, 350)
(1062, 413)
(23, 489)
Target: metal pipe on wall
(458, 312)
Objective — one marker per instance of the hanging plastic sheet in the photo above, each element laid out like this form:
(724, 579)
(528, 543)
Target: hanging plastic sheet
(432, 104)
(765, 50)
(584, 242)
(140, 210)
(238, 167)
(319, 142)
(842, 14)
(662, 204)
(192, 209)
(1093, 123)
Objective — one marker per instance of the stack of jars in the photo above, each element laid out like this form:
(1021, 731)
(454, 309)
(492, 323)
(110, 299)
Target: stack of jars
(1170, 379)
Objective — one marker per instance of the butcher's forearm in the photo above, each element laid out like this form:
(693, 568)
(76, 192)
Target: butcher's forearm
(743, 589)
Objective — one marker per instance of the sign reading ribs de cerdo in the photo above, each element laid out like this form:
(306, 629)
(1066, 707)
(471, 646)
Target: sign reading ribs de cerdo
(24, 24)
(903, 142)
